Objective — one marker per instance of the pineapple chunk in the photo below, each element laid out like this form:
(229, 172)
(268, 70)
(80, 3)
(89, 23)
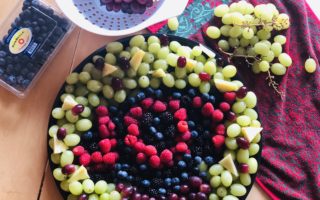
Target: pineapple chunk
(191, 64)
(225, 86)
(159, 73)
(137, 59)
(68, 103)
(108, 69)
(250, 132)
(228, 163)
(58, 146)
(80, 174)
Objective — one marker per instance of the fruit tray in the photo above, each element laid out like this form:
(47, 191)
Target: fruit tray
(221, 153)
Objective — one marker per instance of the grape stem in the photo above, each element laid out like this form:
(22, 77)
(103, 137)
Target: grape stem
(272, 83)
(239, 56)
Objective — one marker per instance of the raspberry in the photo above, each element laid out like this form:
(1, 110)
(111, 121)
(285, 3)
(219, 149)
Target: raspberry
(111, 126)
(229, 97)
(78, 150)
(159, 106)
(207, 109)
(174, 104)
(105, 145)
(102, 111)
(130, 140)
(104, 120)
(186, 136)
(220, 129)
(139, 146)
(85, 159)
(110, 158)
(129, 120)
(113, 142)
(182, 126)
(218, 141)
(181, 114)
(141, 158)
(133, 129)
(166, 156)
(96, 157)
(103, 131)
(224, 106)
(150, 150)
(146, 103)
(154, 161)
(136, 112)
(181, 147)
(217, 115)
(197, 102)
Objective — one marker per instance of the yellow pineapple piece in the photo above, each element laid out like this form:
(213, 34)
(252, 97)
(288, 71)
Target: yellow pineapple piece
(225, 86)
(159, 73)
(108, 69)
(137, 59)
(250, 132)
(80, 174)
(228, 163)
(58, 145)
(68, 103)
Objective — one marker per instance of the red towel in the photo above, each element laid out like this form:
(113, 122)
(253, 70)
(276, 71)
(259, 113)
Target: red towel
(290, 167)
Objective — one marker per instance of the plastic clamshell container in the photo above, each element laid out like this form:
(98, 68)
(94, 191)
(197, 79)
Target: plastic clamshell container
(93, 17)
(31, 33)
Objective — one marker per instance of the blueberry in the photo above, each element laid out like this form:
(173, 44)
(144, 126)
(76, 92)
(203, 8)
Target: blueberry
(191, 124)
(212, 99)
(203, 175)
(194, 134)
(156, 121)
(159, 135)
(141, 96)
(150, 91)
(187, 157)
(116, 120)
(198, 159)
(3, 54)
(158, 93)
(131, 100)
(209, 160)
(145, 183)
(192, 92)
(182, 164)
(125, 166)
(152, 130)
(87, 136)
(25, 83)
(113, 109)
(117, 167)
(143, 167)
(205, 97)
(122, 174)
(1, 71)
(167, 182)
(2, 62)
(130, 178)
(176, 188)
(11, 80)
(175, 181)
(162, 191)
(176, 95)
(184, 176)
(195, 170)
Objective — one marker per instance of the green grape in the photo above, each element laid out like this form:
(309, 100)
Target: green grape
(93, 197)
(285, 59)
(70, 117)
(93, 100)
(243, 120)
(221, 10)
(253, 165)
(137, 41)
(108, 92)
(225, 30)
(96, 74)
(261, 48)
(255, 123)
(203, 167)
(173, 24)
(227, 19)
(233, 130)
(82, 100)
(81, 91)
(57, 113)
(310, 65)
(55, 158)
(276, 48)
(230, 197)
(213, 32)
(100, 187)
(114, 47)
(253, 149)
(218, 75)
(257, 138)
(148, 58)
(199, 68)
(120, 96)
(238, 190)
(278, 69)
(58, 175)
(94, 86)
(196, 51)
(88, 67)
(61, 122)
(51, 143)
(69, 89)
(72, 197)
(231, 152)
(255, 67)
(115, 195)
(264, 66)
(239, 51)
(282, 22)
(215, 170)
(180, 72)
(66, 158)
(249, 19)
(245, 179)
(243, 155)
(210, 67)
(160, 64)
(215, 181)
(111, 187)
(235, 31)
(174, 45)
(234, 42)
(280, 39)
(269, 57)
(64, 185)
(184, 51)
(125, 54)
(83, 125)
(163, 53)
(71, 140)
(155, 83)
(238, 83)
(254, 40)
(153, 39)
(224, 45)
(226, 178)
(201, 59)
(237, 19)
(222, 191)
(213, 196)
(88, 186)
(172, 59)
(251, 113)
(154, 48)
(110, 58)
(118, 74)
(251, 52)
(71, 128)
(229, 71)
(144, 81)
(231, 143)
(180, 84)
(204, 87)
(194, 80)
(75, 188)
(239, 107)
(129, 83)
(168, 80)
(72, 78)
(244, 42)
(131, 73)
(105, 196)
(263, 34)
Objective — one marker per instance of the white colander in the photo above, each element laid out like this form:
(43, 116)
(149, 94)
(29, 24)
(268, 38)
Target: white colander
(91, 16)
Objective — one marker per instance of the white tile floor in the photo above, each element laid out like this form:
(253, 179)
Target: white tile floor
(315, 5)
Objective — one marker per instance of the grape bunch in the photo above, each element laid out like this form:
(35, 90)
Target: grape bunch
(127, 6)
(254, 34)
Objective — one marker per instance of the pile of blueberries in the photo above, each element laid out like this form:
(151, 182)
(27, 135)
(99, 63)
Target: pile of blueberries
(127, 6)
(48, 29)
(185, 177)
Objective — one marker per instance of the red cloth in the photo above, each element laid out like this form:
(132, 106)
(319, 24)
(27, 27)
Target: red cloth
(290, 167)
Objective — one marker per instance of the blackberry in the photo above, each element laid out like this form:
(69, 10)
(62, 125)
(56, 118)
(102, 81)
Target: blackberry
(170, 131)
(153, 192)
(147, 119)
(166, 117)
(197, 150)
(185, 101)
(160, 146)
(92, 147)
(157, 182)
(95, 177)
